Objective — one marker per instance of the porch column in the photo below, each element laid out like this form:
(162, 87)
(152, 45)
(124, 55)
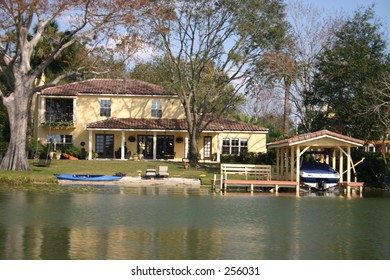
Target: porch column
(122, 144)
(348, 165)
(89, 144)
(298, 163)
(334, 159)
(218, 148)
(186, 146)
(282, 163)
(341, 170)
(297, 168)
(154, 145)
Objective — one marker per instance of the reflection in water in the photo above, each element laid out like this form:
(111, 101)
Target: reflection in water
(153, 223)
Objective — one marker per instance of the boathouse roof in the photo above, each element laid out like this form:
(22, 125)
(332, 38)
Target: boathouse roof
(322, 138)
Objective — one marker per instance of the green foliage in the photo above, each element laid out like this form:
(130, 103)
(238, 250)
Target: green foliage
(74, 151)
(372, 169)
(59, 123)
(273, 122)
(154, 72)
(355, 61)
(38, 150)
(4, 129)
(247, 158)
(157, 72)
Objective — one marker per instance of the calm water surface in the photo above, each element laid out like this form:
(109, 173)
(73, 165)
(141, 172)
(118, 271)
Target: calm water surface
(148, 223)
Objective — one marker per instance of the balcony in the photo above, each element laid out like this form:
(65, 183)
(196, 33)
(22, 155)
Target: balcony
(64, 124)
(59, 114)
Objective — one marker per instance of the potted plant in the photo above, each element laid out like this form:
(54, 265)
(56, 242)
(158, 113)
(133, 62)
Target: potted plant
(179, 139)
(141, 154)
(57, 155)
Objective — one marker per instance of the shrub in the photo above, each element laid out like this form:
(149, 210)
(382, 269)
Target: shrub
(73, 151)
(248, 158)
(372, 171)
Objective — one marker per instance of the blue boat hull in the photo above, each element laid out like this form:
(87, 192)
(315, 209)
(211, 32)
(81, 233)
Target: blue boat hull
(87, 177)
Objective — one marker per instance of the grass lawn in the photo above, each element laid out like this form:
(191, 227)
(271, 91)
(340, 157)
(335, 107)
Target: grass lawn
(45, 175)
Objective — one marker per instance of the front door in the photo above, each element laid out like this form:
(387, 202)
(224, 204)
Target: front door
(145, 146)
(105, 145)
(165, 147)
(207, 147)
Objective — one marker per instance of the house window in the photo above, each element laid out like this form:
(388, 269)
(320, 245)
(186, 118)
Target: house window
(234, 146)
(156, 109)
(105, 108)
(60, 139)
(58, 110)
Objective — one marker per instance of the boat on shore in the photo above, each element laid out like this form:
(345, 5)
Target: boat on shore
(87, 177)
(317, 174)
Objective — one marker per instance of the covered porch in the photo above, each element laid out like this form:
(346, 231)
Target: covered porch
(168, 138)
(152, 139)
(289, 153)
(148, 144)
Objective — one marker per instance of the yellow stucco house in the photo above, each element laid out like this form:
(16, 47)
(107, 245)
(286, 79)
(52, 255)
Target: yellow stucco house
(116, 119)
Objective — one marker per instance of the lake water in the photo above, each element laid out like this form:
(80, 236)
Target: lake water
(149, 223)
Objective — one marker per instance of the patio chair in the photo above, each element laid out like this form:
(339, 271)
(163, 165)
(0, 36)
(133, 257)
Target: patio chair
(150, 172)
(163, 171)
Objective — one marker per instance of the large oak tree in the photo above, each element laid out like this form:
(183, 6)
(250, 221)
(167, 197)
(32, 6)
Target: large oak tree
(22, 25)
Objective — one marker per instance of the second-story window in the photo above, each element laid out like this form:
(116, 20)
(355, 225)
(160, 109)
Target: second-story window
(105, 108)
(59, 112)
(156, 109)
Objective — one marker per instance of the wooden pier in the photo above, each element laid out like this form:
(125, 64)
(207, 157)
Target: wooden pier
(274, 185)
(252, 176)
(271, 184)
(352, 186)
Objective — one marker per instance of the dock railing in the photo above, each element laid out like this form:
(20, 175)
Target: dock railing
(249, 171)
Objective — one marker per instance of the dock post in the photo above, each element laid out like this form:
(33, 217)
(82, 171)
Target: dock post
(251, 187)
(297, 189)
(276, 189)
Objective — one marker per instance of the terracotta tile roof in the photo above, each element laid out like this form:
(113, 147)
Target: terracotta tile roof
(106, 86)
(313, 135)
(173, 124)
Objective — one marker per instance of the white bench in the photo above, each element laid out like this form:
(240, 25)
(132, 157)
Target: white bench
(250, 171)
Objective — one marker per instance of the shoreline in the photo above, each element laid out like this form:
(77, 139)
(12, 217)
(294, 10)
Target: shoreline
(136, 182)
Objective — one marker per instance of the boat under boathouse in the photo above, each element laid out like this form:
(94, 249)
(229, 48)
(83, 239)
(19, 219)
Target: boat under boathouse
(289, 153)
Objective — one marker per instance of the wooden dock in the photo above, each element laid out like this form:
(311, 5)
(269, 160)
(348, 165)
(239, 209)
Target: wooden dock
(253, 175)
(348, 187)
(276, 184)
(272, 184)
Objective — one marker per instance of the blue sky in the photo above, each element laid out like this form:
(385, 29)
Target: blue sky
(382, 9)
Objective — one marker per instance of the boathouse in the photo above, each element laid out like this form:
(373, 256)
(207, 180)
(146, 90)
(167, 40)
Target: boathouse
(289, 152)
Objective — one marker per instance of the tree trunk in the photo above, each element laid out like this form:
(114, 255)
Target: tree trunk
(194, 149)
(383, 150)
(287, 107)
(16, 156)
(193, 138)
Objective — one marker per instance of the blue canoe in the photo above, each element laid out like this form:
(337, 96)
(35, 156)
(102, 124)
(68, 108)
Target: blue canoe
(87, 177)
